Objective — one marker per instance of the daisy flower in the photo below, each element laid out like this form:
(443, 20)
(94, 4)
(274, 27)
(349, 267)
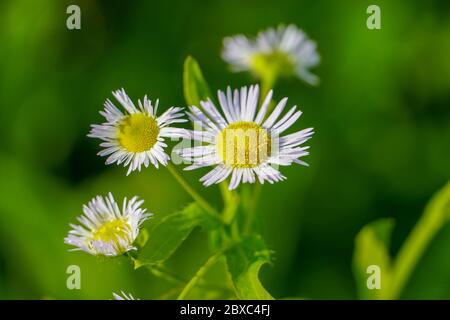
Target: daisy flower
(285, 51)
(243, 141)
(105, 229)
(124, 296)
(136, 137)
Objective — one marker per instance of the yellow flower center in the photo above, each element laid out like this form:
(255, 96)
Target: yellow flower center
(243, 145)
(272, 64)
(138, 132)
(112, 230)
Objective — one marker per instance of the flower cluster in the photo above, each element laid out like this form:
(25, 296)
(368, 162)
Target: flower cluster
(244, 139)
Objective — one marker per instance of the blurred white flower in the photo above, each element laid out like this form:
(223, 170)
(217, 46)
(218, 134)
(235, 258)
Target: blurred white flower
(285, 51)
(136, 137)
(105, 229)
(241, 141)
(124, 296)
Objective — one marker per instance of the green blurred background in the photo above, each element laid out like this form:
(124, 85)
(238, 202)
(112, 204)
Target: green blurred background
(381, 148)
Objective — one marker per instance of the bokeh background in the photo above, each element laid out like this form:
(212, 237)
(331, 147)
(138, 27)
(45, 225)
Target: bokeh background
(381, 148)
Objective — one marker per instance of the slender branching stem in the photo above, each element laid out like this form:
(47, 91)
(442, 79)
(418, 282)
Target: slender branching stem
(161, 272)
(267, 84)
(252, 208)
(194, 194)
(199, 275)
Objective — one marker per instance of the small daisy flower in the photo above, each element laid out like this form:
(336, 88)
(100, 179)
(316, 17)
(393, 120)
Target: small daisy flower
(285, 51)
(105, 229)
(124, 296)
(136, 137)
(243, 141)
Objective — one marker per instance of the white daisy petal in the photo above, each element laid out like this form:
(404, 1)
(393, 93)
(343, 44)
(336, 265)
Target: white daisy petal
(235, 178)
(263, 110)
(196, 115)
(217, 175)
(225, 107)
(234, 109)
(285, 118)
(212, 112)
(286, 124)
(275, 113)
(125, 100)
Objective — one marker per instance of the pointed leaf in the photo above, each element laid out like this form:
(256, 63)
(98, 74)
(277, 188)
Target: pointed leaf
(195, 87)
(244, 262)
(372, 255)
(167, 234)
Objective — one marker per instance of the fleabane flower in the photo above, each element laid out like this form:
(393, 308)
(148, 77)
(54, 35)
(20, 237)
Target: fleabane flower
(106, 229)
(136, 137)
(242, 140)
(285, 51)
(124, 296)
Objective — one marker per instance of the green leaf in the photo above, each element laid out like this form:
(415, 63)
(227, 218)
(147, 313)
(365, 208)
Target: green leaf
(195, 86)
(142, 238)
(372, 249)
(244, 261)
(436, 214)
(438, 208)
(169, 232)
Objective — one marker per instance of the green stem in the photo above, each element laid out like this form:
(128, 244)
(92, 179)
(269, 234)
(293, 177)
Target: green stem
(164, 274)
(225, 192)
(267, 84)
(199, 275)
(252, 207)
(434, 217)
(161, 272)
(198, 198)
(231, 203)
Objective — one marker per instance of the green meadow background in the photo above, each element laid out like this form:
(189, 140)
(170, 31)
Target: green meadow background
(381, 148)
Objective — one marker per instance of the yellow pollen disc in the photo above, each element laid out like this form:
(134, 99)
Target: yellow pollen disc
(243, 145)
(111, 230)
(138, 132)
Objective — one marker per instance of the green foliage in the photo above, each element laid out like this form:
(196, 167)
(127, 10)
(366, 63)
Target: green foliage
(142, 238)
(372, 248)
(194, 85)
(167, 234)
(439, 205)
(381, 147)
(244, 261)
(436, 214)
